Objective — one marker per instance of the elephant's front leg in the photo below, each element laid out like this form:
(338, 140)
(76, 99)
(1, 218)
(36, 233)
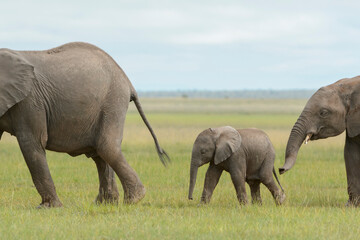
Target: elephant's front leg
(108, 191)
(34, 154)
(211, 180)
(352, 163)
(238, 179)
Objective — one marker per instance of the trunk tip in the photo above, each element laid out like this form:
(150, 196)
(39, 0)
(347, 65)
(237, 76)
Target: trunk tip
(190, 198)
(282, 170)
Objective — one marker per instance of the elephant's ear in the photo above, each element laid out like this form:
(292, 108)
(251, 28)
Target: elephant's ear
(353, 115)
(228, 142)
(16, 79)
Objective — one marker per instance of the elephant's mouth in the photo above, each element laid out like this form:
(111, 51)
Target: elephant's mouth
(308, 138)
(311, 136)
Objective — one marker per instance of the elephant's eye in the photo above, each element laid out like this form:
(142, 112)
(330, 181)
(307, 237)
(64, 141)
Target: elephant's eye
(203, 151)
(324, 113)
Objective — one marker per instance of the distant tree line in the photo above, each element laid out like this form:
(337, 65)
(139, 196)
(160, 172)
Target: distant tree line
(252, 94)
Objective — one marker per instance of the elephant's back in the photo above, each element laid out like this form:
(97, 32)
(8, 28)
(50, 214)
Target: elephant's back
(255, 140)
(253, 134)
(77, 61)
(80, 69)
(259, 152)
(73, 45)
(71, 49)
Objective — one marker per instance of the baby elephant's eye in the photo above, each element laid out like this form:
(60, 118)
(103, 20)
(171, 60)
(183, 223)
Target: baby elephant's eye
(203, 151)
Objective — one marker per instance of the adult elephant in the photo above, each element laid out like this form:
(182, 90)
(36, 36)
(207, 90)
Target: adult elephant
(71, 99)
(330, 111)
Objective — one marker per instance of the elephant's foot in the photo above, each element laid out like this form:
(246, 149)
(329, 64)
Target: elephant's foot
(353, 202)
(280, 198)
(109, 197)
(242, 198)
(136, 195)
(243, 202)
(256, 201)
(205, 200)
(49, 204)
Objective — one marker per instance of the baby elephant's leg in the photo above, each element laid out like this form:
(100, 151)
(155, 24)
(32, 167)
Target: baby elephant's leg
(266, 177)
(277, 194)
(255, 191)
(211, 180)
(238, 179)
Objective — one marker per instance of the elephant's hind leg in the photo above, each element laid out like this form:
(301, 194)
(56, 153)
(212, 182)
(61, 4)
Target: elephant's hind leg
(108, 148)
(108, 191)
(255, 191)
(277, 194)
(134, 190)
(266, 177)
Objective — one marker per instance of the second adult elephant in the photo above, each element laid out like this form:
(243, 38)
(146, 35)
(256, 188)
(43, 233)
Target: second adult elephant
(71, 99)
(329, 112)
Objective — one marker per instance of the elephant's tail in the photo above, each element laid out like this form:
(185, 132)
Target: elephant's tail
(276, 177)
(164, 158)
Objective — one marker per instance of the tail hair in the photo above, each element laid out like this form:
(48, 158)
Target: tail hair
(164, 157)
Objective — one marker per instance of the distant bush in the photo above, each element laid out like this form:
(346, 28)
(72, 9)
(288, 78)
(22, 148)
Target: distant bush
(244, 94)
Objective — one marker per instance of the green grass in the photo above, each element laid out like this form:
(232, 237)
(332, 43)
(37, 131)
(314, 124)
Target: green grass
(315, 187)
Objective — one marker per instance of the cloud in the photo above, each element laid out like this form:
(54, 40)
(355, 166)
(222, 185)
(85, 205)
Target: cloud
(199, 42)
(187, 23)
(235, 24)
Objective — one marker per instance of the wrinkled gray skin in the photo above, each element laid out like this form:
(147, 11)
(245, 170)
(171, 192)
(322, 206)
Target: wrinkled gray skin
(70, 99)
(247, 154)
(329, 112)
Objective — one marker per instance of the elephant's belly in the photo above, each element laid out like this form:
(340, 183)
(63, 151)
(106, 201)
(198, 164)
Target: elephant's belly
(252, 177)
(88, 151)
(70, 147)
(72, 140)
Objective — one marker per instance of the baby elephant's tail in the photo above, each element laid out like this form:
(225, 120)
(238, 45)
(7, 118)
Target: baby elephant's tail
(276, 177)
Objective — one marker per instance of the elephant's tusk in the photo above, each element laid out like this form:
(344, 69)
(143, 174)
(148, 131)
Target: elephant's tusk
(308, 138)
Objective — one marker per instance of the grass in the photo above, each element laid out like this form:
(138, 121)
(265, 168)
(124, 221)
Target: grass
(315, 188)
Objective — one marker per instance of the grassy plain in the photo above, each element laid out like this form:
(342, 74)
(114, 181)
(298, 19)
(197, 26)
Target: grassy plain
(315, 187)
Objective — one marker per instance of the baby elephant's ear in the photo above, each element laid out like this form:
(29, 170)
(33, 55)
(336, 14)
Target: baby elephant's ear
(228, 142)
(16, 79)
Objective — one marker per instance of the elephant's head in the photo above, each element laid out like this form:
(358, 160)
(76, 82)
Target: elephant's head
(330, 111)
(213, 144)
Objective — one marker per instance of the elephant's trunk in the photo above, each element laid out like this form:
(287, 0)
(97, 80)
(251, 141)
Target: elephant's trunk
(193, 173)
(296, 138)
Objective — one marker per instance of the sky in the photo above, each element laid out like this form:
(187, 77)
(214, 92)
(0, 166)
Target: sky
(202, 44)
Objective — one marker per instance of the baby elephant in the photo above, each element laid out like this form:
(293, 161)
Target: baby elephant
(247, 154)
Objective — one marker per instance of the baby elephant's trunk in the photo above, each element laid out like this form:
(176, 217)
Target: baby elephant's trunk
(193, 174)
